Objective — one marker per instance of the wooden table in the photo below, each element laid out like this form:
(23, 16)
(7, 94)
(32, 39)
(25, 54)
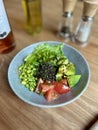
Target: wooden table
(16, 114)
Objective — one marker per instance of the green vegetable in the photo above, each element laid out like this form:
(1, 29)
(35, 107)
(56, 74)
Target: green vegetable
(45, 53)
(42, 54)
(73, 80)
(70, 69)
(49, 63)
(27, 78)
(62, 69)
(59, 76)
(62, 61)
(65, 70)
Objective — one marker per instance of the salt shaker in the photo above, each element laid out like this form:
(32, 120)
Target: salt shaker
(66, 23)
(83, 29)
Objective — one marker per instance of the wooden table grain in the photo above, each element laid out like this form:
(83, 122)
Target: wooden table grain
(18, 115)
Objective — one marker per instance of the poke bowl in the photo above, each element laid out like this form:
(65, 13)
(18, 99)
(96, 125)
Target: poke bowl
(28, 90)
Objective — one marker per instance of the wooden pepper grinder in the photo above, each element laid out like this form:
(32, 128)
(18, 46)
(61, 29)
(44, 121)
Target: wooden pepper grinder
(65, 28)
(94, 126)
(83, 30)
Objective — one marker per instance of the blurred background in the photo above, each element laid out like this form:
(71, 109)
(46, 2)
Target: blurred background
(51, 17)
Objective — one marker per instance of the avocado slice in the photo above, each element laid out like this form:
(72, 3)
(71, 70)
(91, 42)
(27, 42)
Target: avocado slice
(59, 76)
(70, 69)
(73, 80)
(63, 61)
(62, 69)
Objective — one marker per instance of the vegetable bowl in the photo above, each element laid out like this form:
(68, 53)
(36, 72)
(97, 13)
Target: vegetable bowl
(49, 74)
